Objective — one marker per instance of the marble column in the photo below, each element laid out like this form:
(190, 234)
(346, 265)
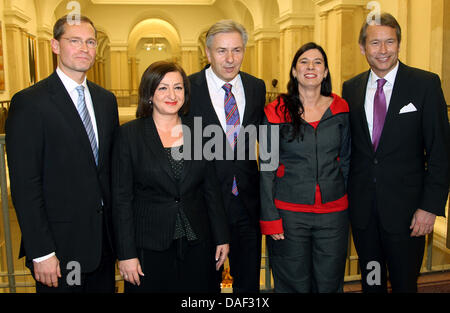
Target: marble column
(190, 58)
(44, 53)
(17, 62)
(295, 30)
(267, 52)
(120, 82)
(340, 23)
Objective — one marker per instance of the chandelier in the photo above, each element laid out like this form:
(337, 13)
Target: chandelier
(153, 46)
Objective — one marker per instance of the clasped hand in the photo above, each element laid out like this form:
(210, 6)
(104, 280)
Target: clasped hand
(47, 271)
(422, 223)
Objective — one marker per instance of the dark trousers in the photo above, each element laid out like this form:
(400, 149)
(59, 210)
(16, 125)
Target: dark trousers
(312, 256)
(183, 267)
(381, 252)
(245, 251)
(102, 280)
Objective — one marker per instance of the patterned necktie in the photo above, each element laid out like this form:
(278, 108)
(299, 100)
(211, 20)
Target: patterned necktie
(233, 123)
(379, 113)
(84, 115)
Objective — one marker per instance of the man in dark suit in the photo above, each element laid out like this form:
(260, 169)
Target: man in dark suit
(233, 100)
(58, 140)
(399, 175)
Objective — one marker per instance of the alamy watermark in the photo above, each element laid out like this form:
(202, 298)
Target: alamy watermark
(73, 277)
(373, 277)
(74, 16)
(374, 16)
(210, 143)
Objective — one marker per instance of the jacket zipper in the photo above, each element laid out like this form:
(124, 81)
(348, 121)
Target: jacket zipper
(317, 158)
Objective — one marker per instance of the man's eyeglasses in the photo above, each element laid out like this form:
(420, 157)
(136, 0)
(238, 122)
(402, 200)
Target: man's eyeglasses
(77, 42)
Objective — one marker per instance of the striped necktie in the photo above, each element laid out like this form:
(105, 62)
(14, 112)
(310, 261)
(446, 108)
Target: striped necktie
(233, 124)
(84, 115)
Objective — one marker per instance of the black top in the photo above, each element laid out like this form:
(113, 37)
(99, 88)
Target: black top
(182, 226)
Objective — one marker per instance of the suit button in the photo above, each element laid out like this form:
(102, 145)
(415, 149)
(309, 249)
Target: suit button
(375, 161)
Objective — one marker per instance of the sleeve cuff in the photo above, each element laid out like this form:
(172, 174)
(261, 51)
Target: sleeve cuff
(43, 258)
(271, 227)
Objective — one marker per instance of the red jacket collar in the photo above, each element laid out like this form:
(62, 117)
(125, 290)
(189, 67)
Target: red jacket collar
(275, 114)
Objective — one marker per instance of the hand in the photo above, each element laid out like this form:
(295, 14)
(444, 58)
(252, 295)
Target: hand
(130, 270)
(47, 271)
(422, 223)
(221, 255)
(277, 236)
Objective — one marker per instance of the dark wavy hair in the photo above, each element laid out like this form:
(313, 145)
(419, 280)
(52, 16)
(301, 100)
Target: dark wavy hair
(150, 81)
(293, 105)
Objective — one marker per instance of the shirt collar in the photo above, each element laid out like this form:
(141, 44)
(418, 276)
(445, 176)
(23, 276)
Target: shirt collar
(390, 77)
(68, 82)
(218, 83)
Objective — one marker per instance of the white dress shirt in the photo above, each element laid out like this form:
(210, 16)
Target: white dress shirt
(372, 89)
(71, 86)
(217, 95)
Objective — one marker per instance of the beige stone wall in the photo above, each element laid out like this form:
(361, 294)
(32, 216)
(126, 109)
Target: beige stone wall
(277, 28)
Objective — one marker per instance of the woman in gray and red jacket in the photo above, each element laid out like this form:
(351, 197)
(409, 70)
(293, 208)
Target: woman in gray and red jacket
(304, 200)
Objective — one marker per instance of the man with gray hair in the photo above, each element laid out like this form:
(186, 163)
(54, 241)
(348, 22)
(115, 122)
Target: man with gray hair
(224, 96)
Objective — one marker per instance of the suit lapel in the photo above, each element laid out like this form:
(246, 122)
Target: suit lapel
(65, 105)
(100, 121)
(248, 91)
(396, 102)
(188, 152)
(360, 108)
(207, 110)
(151, 138)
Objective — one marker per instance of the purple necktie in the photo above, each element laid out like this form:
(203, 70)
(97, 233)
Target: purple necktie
(233, 122)
(379, 113)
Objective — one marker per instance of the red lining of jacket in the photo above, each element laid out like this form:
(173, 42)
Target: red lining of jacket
(276, 115)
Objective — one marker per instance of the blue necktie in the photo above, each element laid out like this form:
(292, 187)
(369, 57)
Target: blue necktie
(84, 115)
(233, 123)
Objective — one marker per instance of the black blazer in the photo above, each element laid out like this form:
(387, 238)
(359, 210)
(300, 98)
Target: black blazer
(410, 168)
(146, 197)
(245, 169)
(56, 187)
